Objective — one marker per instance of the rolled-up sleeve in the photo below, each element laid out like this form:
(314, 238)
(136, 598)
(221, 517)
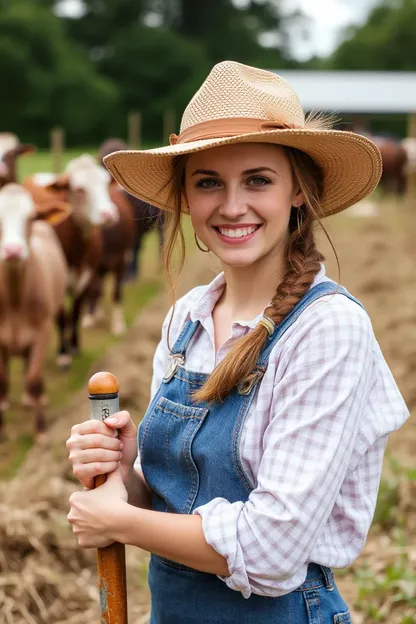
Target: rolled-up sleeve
(319, 393)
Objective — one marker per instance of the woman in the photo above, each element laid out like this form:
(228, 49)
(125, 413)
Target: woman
(261, 451)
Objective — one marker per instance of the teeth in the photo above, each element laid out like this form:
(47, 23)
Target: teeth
(238, 233)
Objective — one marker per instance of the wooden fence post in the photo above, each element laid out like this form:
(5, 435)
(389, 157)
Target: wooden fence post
(411, 173)
(134, 129)
(57, 139)
(168, 124)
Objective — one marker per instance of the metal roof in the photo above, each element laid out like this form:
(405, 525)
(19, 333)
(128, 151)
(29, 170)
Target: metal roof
(354, 91)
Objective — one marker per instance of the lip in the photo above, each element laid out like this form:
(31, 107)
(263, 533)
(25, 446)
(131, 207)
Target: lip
(241, 239)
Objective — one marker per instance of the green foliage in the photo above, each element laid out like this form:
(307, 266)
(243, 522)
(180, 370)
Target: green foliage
(87, 73)
(391, 589)
(48, 79)
(164, 71)
(386, 42)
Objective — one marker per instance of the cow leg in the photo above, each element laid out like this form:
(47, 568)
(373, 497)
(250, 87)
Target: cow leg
(133, 264)
(4, 380)
(75, 321)
(95, 313)
(161, 233)
(118, 324)
(63, 356)
(34, 383)
(4, 388)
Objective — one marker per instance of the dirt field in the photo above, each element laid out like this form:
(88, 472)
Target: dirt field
(45, 579)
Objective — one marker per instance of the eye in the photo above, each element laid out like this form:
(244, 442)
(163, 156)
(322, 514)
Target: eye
(207, 183)
(258, 181)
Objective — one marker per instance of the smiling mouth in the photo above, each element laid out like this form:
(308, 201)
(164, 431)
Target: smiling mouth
(239, 233)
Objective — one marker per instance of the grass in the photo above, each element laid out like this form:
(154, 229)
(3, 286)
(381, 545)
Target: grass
(387, 591)
(42, 160)
(19, 423)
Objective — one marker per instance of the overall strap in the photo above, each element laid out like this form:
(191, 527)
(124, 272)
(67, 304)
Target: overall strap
(328, 287)
(184, 337)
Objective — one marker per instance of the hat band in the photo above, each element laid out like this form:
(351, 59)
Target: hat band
(226, 127)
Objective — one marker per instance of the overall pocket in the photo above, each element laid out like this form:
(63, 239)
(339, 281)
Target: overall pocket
(343, 618)
(165, 442)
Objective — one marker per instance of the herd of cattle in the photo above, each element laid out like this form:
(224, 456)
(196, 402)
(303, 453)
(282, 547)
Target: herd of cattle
(60, 234)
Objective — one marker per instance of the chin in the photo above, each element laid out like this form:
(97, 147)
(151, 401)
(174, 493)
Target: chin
(238, 261)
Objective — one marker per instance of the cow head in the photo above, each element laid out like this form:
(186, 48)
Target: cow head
(17, 213)
(10, 150)
(87, 188)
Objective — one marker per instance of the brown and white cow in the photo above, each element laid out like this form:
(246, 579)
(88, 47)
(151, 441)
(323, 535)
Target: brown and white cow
(117, 246)
(85, 185)
(10, 149)
(33, 281)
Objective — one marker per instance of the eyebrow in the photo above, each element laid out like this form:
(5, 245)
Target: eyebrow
(246, 172)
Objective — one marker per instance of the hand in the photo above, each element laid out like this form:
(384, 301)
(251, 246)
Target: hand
(95, 514)
(94, 448)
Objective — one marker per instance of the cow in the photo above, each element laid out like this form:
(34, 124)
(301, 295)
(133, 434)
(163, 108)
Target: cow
(85, 185)
(146, 216)
(33, 281)
(10, 149)
(117, 246)
(394, 159)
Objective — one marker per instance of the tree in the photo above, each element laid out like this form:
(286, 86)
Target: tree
(386, 42)
(49, 80)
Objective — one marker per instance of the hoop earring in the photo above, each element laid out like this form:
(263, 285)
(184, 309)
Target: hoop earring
(199, 245)
(300, 221)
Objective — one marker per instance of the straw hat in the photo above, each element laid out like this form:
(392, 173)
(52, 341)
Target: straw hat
(242, 104)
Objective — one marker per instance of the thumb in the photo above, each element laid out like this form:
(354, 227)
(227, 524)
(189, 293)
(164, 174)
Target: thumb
(124, 423)
(114, 480)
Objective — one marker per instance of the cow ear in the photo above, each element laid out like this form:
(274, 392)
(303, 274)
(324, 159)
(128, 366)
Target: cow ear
(61, 183)
(53, 211)
(25, 148)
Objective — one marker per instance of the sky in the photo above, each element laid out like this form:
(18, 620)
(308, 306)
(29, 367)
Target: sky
(326, 20)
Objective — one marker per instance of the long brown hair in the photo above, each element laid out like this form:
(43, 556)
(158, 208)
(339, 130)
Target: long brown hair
(302, 264)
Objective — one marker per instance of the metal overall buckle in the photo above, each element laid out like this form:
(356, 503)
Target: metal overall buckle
(174, 361)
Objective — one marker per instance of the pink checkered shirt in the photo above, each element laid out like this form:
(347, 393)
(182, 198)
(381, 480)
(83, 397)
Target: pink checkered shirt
(313, 441)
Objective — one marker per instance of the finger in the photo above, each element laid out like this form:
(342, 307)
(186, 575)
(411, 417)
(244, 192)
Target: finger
(94, 426)
(97, 441)
(124, 423)
(89, 456)
(86, 472)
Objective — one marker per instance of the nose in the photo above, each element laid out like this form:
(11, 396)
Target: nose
(109, 216)
(233, 205)
(13, 251)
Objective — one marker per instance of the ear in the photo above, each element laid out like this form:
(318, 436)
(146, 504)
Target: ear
(298, 199)
(61, 183)
(20, 150)
(25, 148)
(53, 211)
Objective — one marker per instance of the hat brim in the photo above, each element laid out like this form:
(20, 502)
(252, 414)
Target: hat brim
(351, 164)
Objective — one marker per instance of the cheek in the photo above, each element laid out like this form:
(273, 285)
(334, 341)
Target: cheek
(201, 207)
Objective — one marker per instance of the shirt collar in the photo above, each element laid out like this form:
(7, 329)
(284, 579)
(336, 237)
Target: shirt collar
(204, 306)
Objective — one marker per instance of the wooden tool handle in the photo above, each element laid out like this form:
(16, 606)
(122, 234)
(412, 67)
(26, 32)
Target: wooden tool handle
(103, 391)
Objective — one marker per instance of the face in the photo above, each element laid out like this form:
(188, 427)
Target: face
(89, 191)
(17, 211)
(240, 198)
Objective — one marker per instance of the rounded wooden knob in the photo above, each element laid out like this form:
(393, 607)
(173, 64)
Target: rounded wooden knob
(103, 383)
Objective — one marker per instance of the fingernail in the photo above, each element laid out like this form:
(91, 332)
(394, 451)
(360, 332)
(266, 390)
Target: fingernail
(112, 420)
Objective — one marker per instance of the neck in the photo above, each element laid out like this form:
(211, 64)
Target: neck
(249, 290)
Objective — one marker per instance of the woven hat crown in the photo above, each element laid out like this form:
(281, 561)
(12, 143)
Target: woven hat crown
(235, 90)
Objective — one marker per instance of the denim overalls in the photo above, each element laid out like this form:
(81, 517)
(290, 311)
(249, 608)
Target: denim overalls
(190, 455)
